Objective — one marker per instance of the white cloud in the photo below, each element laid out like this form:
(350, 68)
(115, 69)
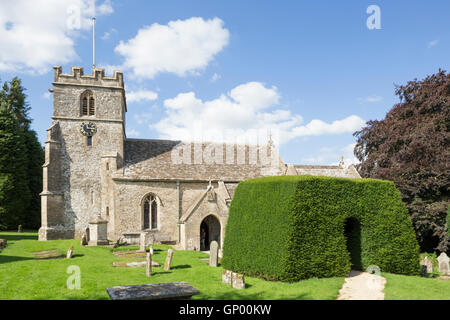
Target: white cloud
(215, 77)
(46, 95)
(332, 156)
(143, 117)
(108, 34)
(141, 95)
(181, 47)
(432, 43)
(38, 34)
(246, 109)
(132, 133)
(370, 99)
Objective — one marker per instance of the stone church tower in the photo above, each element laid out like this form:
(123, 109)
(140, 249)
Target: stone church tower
(84, 142)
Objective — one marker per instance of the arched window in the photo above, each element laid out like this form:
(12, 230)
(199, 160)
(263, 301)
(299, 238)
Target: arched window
(150, 208)
(87, 103)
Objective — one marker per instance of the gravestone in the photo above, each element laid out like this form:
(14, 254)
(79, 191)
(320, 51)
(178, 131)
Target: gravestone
(235, 280)
(151, 250)
(227, 276)
(149, 264)
(213, 253)
(156, 291)
(238, 281)
(69, 252)
(443, 260)
(19, 228)
(142, 242)
(84, 240)
(3, 243)
(98, 232)
(168, 261)
(427, 264)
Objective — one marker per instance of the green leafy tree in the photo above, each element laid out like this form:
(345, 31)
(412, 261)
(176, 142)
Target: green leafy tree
(14, 191)
(410, 146)
(13, 100)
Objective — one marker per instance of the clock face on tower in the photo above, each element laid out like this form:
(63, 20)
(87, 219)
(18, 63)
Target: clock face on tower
(88, 129)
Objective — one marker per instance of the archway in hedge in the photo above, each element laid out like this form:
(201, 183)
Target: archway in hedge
(352, 233)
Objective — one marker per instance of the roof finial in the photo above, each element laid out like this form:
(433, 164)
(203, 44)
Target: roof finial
(93, 43)
(341, 163)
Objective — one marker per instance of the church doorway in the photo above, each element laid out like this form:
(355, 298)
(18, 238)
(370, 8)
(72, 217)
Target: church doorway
(352, 232)
(209, 231)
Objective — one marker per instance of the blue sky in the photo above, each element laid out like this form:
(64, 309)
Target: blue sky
(310, 71)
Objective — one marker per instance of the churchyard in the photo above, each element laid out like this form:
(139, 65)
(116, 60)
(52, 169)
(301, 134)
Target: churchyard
(26, 274)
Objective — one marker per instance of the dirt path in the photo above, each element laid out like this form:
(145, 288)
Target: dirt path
(362, 286)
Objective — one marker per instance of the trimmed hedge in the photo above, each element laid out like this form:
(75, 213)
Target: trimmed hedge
(293, 227)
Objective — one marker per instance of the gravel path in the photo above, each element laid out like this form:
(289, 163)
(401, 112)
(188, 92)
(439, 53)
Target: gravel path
(362, 286)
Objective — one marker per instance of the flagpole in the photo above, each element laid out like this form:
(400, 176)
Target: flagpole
(93, 43)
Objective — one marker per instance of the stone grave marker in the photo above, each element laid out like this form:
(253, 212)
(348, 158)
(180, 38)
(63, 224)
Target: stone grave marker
(151, 250)
(69, 252)
(227, 276)
(168, 261)
(444, 260)
(19, 228)
(427, 265)
(142, 242)
(84, 240)
(155, 291)
(149, 264)
(213, 253)
(235, 280)
(238, 281)
(3, 243)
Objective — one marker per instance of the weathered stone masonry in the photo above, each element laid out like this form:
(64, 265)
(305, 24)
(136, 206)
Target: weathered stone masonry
(110, 176)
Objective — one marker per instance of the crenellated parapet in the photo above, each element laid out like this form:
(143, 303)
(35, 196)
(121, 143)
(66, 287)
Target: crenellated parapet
(97, 78)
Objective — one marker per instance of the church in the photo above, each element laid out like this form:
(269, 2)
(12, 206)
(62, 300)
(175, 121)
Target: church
(176, 192)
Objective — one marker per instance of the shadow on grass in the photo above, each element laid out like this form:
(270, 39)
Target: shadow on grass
(183, 266)
(18, 236)
(239, 296)
(6, 259)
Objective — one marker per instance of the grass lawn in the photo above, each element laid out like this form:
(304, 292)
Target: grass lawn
(399, 287)
(24, 277)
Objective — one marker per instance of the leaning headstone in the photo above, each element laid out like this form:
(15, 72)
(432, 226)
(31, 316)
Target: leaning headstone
(427, 265)
(238, 281)
(149, 264)
(84, 240)
(213, 254)
(19, 228)
(168, 261)
(443, 260)
(69, 252)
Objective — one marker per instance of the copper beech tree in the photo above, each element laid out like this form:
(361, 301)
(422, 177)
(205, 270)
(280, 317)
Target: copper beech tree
(411, 147)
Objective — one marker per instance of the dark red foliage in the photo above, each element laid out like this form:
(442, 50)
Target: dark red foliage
(411, 147)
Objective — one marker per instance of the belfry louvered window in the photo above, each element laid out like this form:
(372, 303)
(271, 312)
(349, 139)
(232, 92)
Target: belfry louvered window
(150, 208)
(87, 103)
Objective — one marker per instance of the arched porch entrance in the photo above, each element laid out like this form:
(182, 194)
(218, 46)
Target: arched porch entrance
(209, 231)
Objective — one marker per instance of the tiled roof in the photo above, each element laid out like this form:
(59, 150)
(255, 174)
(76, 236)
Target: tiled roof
(153, 159)
(329, 171)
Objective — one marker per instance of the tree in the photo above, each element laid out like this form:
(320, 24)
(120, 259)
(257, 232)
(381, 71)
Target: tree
(13, 100)
(14, 191)
(411, 147)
